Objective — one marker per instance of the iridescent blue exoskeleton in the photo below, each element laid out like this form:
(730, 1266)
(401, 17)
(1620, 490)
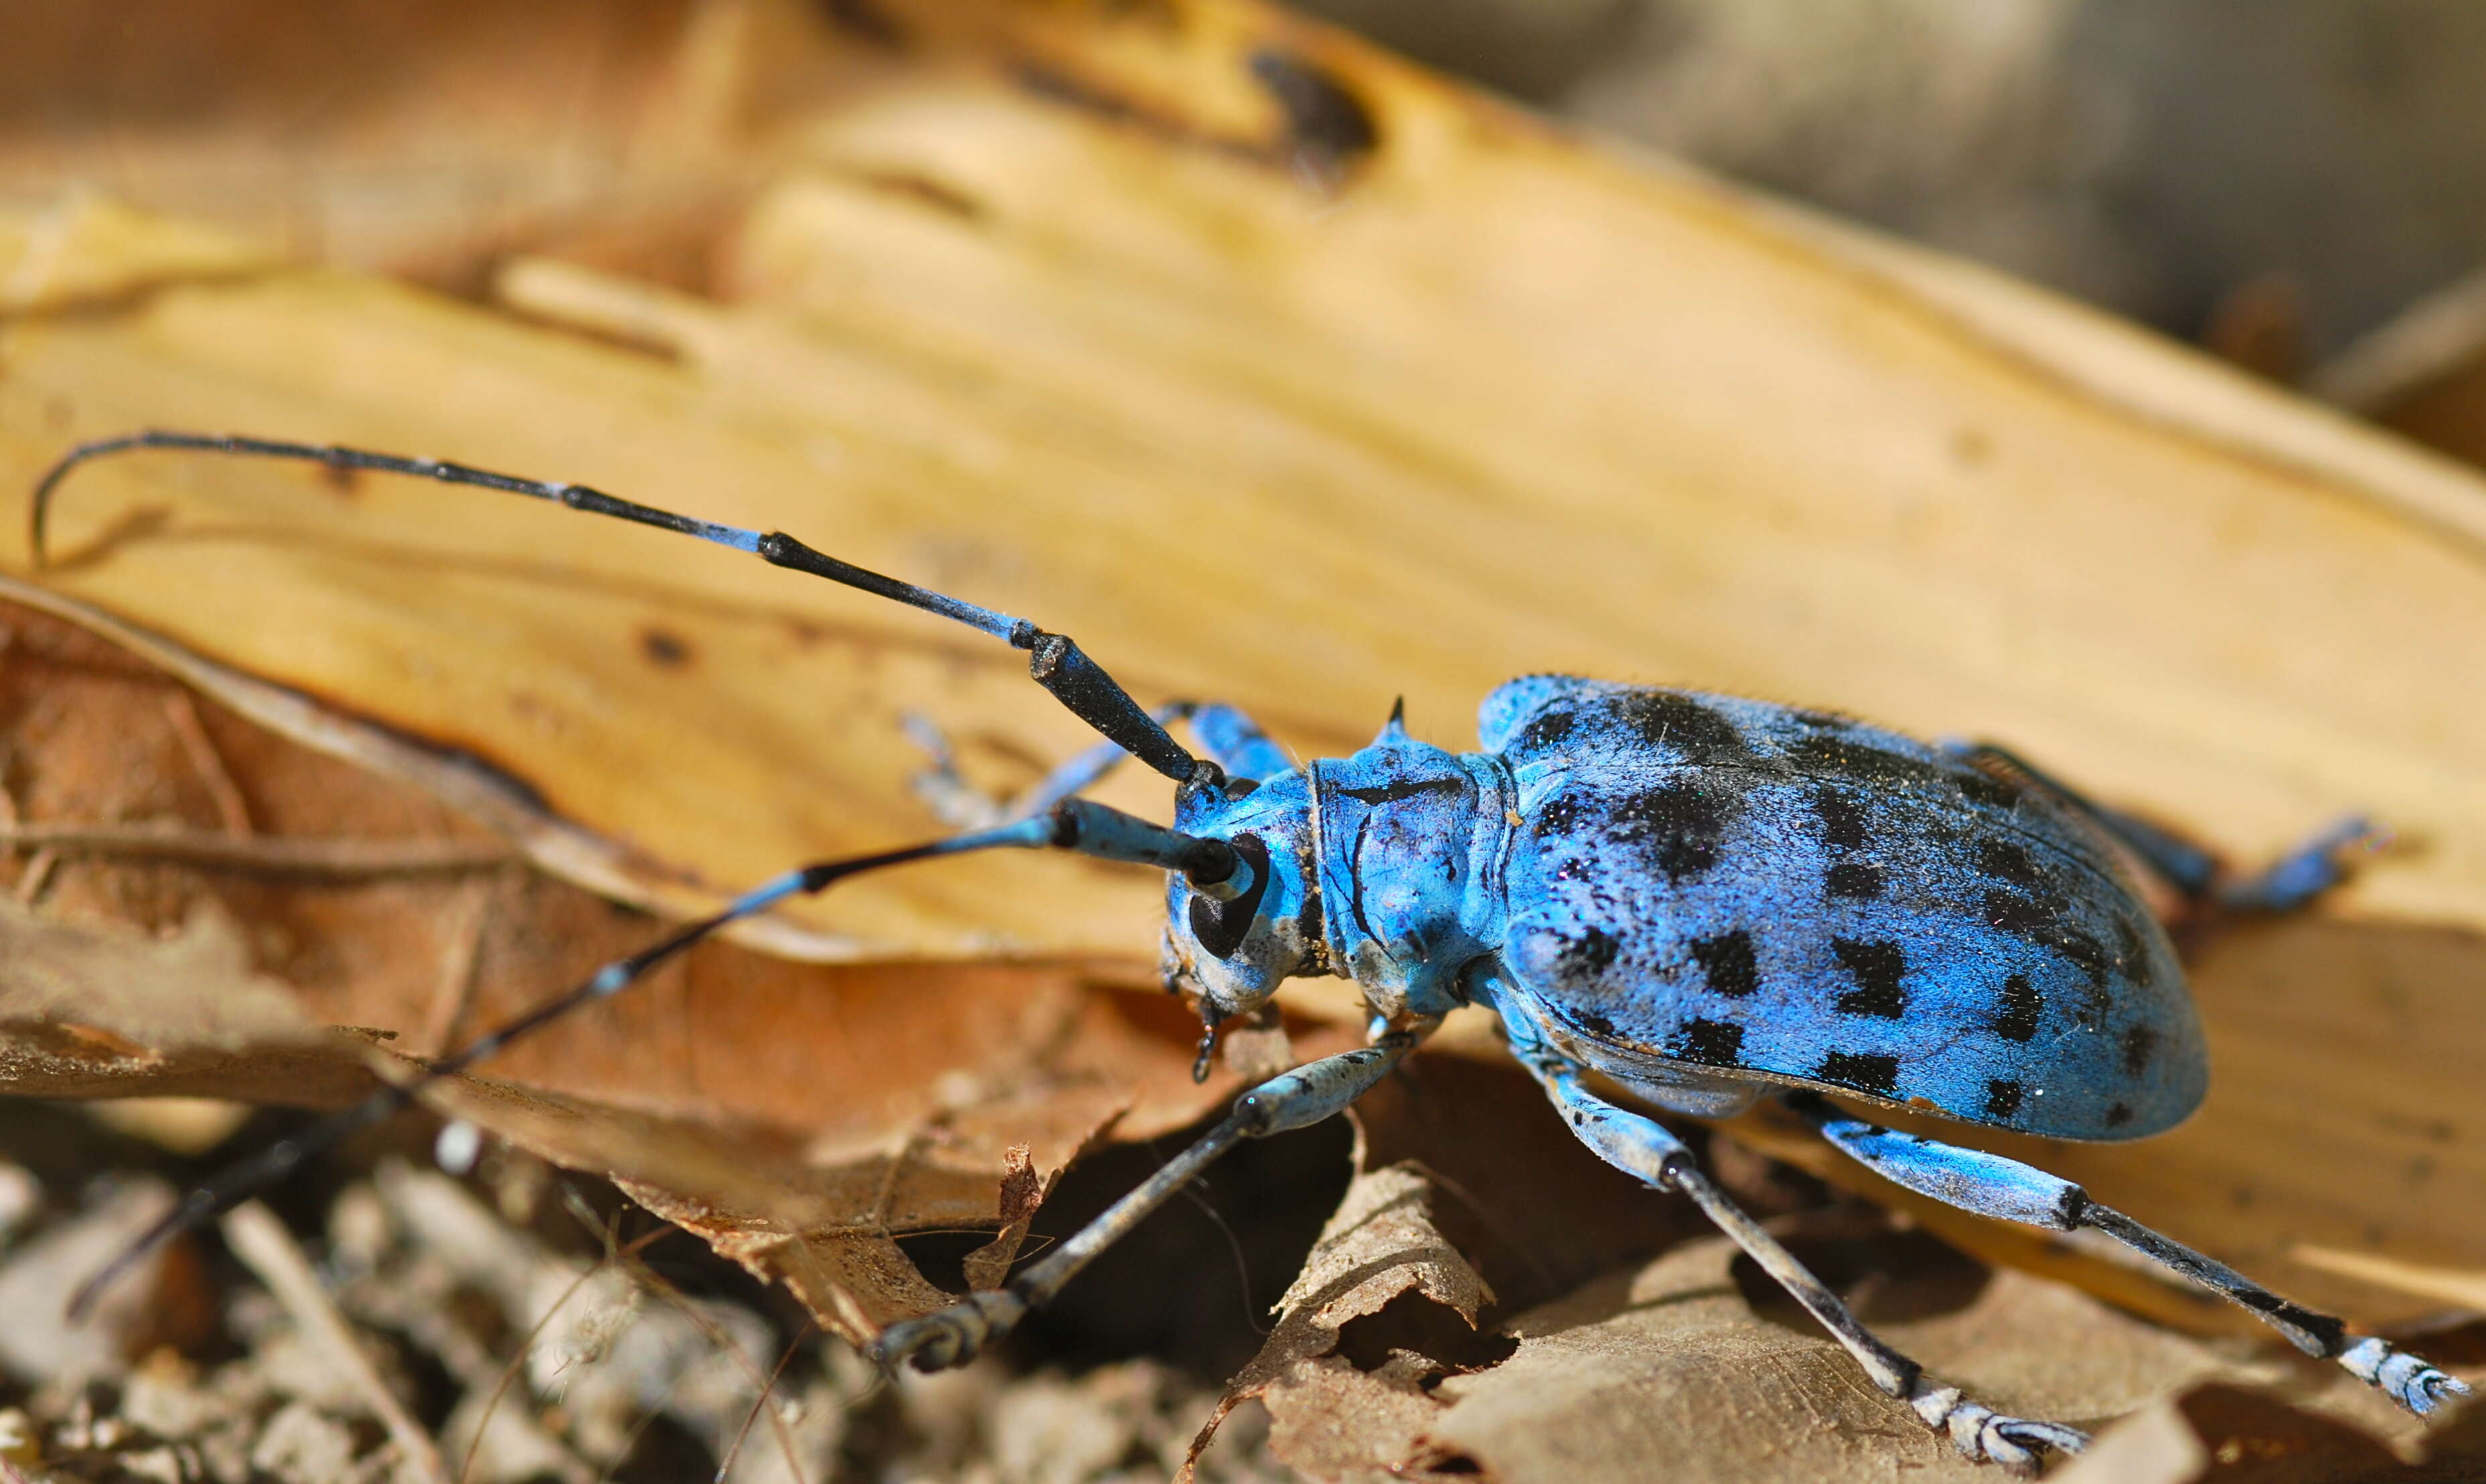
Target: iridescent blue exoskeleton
(1708, 900)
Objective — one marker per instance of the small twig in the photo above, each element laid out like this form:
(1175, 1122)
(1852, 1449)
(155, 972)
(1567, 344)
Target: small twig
(759, 1401)
(232, 810)
(258, 1238)
(36, 875)
(341, 858)
(648, 1280)
(527, 1343)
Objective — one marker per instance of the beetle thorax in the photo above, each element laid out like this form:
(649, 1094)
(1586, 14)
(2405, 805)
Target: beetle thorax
(1410, 842)
(1385, 867)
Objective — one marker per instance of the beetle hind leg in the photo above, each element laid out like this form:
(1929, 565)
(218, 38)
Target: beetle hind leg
(2007, 1190)
(1643, 1148)
(2295, 879)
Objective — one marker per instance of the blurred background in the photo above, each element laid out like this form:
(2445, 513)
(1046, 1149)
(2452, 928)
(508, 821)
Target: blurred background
(2298, 184)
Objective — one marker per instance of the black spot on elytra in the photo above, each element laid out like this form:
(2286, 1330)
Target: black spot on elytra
(1726, 960)
(2117, 1116)
(1877, 968)
(1841, 817)
(664, 648)
(1596, 1025)
(1329, 129)
(1678, 824)
(2134, 951)
(2140, 1043)
(2005, 861)
(1866, 1073)
(1589, 955)
(2022, 917)
(1823, 755)
(2003, 1098)
(1680, 725)
(2037, 919)
(862, 19)
(1549, 728)
(2086, 952)
(1709, 1042)
(1558, 814)
(2021, 1006)
(1852, 878)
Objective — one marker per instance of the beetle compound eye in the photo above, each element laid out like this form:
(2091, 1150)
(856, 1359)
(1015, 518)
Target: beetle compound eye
(1220, 927)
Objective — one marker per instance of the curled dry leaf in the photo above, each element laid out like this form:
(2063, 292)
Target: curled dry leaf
(798, 1115)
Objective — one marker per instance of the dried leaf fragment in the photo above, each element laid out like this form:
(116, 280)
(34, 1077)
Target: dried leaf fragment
(1022, 1192)
(1329, 1417)
(798, 1115)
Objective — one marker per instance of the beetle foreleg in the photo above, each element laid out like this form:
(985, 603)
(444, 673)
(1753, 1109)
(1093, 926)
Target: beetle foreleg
(1293, 1100)
(1227, 737)
(1991, 1185)
(961, 804)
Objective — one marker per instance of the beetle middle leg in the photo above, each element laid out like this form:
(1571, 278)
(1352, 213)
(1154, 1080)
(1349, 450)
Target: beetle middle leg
(2005, 1188)
(1292, 1100)
(1643, 1148)
(2287, 883)
(1227, 737)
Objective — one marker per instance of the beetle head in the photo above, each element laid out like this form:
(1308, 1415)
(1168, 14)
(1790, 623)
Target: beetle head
(1229, 947)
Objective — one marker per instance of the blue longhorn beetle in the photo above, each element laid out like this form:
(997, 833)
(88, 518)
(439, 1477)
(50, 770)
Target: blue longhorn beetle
(1708, 900)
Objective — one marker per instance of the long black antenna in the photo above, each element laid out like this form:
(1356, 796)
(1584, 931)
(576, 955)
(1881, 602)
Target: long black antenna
(1055, 661)
(1082, 825)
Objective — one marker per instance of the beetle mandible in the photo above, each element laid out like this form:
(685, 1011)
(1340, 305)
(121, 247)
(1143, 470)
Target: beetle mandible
(1708, 899)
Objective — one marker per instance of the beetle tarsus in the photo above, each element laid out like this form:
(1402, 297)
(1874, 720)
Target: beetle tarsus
(2401, 1376)
(949, 1337)
(1983, 1435)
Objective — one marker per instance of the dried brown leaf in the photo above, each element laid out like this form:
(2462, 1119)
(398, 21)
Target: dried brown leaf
(798, 1115)
(1467, 1187)
(1331, 1418)
(1671, 1363)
